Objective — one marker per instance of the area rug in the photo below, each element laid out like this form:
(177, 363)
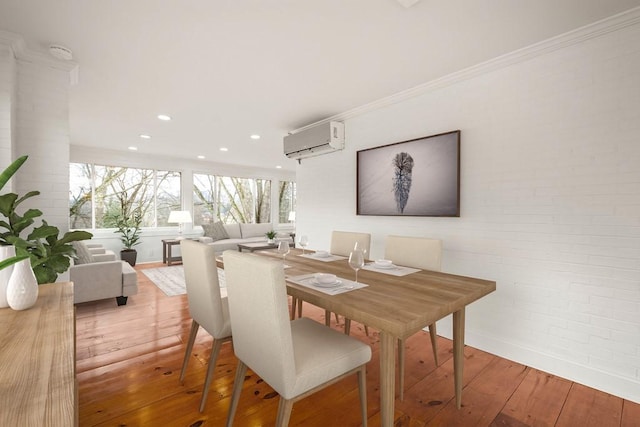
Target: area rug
(170, 280)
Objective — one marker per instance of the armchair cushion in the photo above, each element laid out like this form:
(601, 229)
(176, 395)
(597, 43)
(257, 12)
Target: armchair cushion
(83, 254)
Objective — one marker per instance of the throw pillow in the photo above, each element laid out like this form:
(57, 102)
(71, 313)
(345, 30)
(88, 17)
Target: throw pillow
(83, 256)
(216, 231)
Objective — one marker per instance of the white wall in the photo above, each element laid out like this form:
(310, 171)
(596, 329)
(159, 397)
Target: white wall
(550, 205)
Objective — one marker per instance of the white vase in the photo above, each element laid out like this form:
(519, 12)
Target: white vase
(5, 273)
(22, 290)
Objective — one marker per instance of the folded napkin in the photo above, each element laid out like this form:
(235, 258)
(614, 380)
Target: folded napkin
(308, 280)
(324, 259)
(396, 270)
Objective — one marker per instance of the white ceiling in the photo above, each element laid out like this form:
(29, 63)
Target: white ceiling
(225, 69)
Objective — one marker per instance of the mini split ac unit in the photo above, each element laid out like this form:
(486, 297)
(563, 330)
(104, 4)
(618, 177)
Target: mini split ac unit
(321, 139)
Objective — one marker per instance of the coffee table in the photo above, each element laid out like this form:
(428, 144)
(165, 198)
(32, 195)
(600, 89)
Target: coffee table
(258, 246)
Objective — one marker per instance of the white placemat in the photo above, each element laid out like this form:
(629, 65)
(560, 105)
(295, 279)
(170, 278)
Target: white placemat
(307, 280)
(324, 259)
(396, 270)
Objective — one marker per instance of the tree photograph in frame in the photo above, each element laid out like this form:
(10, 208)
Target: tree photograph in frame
(418, 177)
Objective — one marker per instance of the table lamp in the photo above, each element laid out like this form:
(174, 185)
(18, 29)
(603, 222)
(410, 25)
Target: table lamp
(179, 217)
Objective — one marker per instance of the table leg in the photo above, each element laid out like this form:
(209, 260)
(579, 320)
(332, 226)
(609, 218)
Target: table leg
(458, 353)
(169, 254)
(164, 252)
(387, 378)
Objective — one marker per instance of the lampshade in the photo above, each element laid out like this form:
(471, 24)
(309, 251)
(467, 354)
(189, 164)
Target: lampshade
(292, 216)
(179, 217)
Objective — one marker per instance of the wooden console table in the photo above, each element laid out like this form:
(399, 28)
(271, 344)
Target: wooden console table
(37, 361)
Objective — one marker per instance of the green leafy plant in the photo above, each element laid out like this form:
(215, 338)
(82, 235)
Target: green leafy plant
(271, 234)
(49, 256)
(128, 223)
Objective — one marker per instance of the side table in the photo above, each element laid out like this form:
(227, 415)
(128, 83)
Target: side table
(167, 258)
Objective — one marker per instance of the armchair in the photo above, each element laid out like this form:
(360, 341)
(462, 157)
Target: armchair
(97, 274)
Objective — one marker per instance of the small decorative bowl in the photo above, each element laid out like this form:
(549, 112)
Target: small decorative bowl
(322, 254)
(384, 263)
(325, 278)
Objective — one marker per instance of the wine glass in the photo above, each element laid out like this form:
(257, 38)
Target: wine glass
(304, 241)
(356, 261)
(283, 249)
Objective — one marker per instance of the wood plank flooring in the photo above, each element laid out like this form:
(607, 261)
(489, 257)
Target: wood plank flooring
(129, 360)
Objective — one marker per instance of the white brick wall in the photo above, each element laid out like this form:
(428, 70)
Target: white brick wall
(550, 204)
(42, 131)
(7, 81)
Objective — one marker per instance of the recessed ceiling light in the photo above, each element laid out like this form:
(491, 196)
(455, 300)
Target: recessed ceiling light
(145, 136)
(201, 157)
(254, 136)
(278, 167)
(224, 149)
(132, 148)
(164, 117)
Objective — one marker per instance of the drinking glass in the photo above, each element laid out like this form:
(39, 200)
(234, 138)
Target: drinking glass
(283, 249)
(304, 241)
(356, 261)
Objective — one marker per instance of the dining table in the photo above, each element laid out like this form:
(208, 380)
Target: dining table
(397, 305)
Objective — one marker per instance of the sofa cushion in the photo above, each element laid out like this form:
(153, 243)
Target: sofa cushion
(233, 230)
(83, 255)
(215, 231)
(255, 230)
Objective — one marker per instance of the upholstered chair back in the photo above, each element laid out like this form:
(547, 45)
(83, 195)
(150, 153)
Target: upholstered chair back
(342, 242)
(206, 306)
(259, 312)
(416, 252)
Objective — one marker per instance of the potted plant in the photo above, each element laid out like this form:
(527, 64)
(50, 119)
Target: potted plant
(128, 223)
(49, 256)
(271, 235)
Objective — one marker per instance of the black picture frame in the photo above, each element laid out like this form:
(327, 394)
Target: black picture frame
(418, 177)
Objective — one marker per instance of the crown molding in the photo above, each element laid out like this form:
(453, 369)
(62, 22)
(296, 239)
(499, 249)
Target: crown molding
(590, 31)
(21, 52)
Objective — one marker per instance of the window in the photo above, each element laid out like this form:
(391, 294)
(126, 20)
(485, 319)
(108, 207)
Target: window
(96, 192)
(287, 201)
(230, 199)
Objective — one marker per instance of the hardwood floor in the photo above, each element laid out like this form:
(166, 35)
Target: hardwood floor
(129, 360)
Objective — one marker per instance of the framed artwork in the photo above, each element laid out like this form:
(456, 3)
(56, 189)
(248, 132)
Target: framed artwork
(419, 177)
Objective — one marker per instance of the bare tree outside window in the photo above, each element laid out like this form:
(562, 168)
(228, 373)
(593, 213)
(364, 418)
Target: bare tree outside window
(231, 199)
(155, 193)
(286, 200)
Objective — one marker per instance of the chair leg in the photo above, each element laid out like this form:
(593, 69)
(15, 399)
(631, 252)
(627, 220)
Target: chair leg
(187, 353)
(347, 326)
(337, 318)
(366, 330)
(215, 351)
(434, 342)
(362, 389)
(284, 412)
(401, 367)
(294, 302)
(241, 371)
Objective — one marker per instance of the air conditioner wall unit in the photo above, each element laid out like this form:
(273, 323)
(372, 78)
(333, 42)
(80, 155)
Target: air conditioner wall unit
(321, 139)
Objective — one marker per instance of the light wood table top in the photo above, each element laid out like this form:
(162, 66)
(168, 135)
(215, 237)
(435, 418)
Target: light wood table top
(397, 306)
(37, 361)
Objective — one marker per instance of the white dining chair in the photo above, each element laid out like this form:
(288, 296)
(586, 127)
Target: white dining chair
(416, 252)
(295, 357)
(342, 243)
(206, 306)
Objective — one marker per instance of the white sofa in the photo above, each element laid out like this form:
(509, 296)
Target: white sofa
(97, 274)
(241, 233)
